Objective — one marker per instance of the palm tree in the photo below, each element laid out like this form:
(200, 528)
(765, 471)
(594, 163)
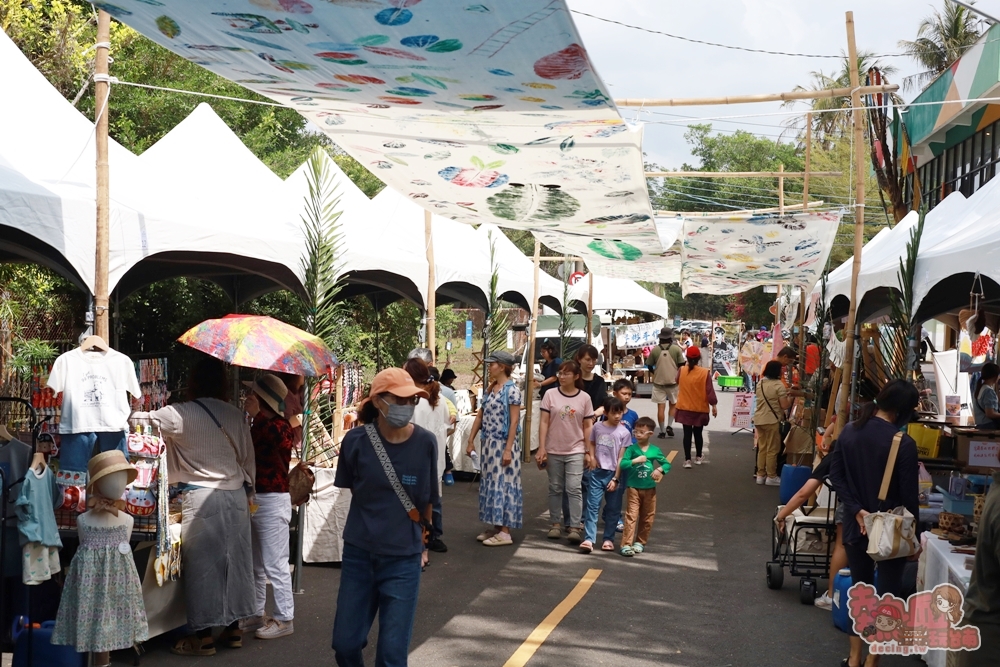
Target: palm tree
(942, 38)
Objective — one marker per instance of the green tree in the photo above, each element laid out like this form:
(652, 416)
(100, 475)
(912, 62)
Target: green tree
(53, 35)
(942, 38)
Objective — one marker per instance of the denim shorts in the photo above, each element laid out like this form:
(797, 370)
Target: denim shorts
(75, 449)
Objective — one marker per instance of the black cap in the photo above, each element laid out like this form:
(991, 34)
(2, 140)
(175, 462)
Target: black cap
(447, 375)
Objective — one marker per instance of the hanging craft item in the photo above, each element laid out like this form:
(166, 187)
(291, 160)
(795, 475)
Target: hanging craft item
(753, 356)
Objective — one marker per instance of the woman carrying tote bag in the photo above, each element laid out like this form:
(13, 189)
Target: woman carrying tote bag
(857, 470)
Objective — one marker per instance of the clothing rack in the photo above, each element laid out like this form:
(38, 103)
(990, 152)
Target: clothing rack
(5, 625)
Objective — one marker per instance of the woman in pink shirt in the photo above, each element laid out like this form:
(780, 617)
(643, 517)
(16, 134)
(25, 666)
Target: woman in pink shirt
(564, 446)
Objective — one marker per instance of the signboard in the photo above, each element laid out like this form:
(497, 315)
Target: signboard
(742, 410)
(468, 334)
(983, 453)
(634, 336)
(575, 277)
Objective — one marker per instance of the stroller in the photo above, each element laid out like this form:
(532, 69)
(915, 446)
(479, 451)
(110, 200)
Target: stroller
(806, 545)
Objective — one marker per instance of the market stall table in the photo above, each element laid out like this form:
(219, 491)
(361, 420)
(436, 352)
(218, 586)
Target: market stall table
(938, 565)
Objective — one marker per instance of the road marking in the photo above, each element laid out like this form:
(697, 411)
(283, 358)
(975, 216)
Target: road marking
(524, 653)
(670, 457)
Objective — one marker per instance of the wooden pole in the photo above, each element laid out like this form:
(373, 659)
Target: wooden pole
(750, 99)
(738, 174)
(431, 286)
(529, 390)
(802, 292)
(590, 307)
(781, 189)
(102, 90)
(805, 180)
(861, 170)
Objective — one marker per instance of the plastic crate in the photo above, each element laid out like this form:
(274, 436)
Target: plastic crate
(730, 381)
(956, 506)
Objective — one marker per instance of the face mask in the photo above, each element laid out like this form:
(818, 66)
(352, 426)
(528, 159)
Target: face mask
(398, 416)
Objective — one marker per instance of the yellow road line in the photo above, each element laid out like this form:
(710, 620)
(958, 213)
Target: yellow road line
(524, 653)
(670, 457)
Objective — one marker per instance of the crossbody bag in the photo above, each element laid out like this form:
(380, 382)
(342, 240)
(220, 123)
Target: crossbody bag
(891, 534)
(784, 426)
(401, 493)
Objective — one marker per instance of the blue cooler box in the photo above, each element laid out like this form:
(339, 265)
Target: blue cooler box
(43, 652)
(841, 583)
(792, 479)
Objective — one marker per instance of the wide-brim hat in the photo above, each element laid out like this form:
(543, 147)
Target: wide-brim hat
(666, 333)
(106, 463)
(397, 382)
(501, 357)
(270, 389)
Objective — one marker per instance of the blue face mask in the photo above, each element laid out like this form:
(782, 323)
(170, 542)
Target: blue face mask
(398, 416)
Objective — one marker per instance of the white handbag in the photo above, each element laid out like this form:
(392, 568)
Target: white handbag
(891, 534)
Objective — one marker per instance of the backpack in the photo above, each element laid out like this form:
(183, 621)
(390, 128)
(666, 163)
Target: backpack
(666, 368)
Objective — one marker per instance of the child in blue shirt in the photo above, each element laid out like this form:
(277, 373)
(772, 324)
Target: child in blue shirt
(622, 390)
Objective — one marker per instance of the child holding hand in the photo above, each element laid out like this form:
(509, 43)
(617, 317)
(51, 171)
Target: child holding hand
(646, 465)
(609, 439)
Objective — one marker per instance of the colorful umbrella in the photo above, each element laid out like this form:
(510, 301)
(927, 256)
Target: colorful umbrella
(261, 342)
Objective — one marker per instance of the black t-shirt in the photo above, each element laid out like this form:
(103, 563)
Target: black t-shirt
(549, 370)
(822, 470)
(377, 521)
(597, 389)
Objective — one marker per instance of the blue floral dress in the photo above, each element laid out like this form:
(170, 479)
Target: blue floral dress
(500, 497)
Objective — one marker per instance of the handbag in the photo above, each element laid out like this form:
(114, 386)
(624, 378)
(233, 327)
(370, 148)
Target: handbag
(390, 473)
(784, 426)
(891, 534)
(301, 480)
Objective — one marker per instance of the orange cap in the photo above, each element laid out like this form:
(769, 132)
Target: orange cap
(397, 382)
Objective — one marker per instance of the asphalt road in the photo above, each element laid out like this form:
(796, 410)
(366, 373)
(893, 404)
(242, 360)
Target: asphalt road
(695, 598)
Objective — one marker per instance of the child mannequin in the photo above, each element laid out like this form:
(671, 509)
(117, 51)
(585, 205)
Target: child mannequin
(102, 608)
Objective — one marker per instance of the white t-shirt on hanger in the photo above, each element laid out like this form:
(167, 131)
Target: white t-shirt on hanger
(94, 384)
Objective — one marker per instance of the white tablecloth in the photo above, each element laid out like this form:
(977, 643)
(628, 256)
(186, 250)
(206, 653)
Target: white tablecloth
(939, 566)
(324, 520)
(460, 439)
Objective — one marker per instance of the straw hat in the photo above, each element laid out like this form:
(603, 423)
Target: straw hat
(106, 463)
(271, 390)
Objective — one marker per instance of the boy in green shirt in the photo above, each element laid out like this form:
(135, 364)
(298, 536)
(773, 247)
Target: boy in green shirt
(646, 466)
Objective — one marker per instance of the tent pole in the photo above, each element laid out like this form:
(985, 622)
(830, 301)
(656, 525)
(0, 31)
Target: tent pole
(529, 372)
(431, 341)
(590, 307)
(781, 189)
(859, 223)
(102, 91)
(805, 180)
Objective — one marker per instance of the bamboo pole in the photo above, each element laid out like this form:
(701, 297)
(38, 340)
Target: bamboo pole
(529, 390)
(590, 307)
(781, 189)
(431, 287)
(751, 99)
(861, 171)
(802, 297)
(102, 90)
(739, 174)
(805, 180)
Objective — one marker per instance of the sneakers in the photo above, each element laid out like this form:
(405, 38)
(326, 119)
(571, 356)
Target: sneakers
(620, 528)
(275, 629)
(554, 533)
(437, 545)
(486, 534)
(824, 601)
(574, 536)
(670, 431)
(773, 481)
(662, 435)
(687, 464)
(699, 460)
(760, 479)
(449, 479)
(253, 623)
(586, 547)
(501, 539)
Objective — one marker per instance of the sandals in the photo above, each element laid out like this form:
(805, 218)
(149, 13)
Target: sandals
(586, 547)
(193, 645)
(627, 551)
(486, 534)
(608, 546)
(638, 547)
(231, 638)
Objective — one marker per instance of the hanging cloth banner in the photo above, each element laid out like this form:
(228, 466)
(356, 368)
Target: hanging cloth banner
(479, 112)
(730, 254)
(633, 336)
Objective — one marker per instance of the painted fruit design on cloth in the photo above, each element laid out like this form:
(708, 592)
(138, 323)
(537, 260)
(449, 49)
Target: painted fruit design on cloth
(533, 202)
(480, 175)
(168, 26)
(569, 63)
(615, 250)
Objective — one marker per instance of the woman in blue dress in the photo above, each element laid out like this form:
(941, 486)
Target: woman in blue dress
(500, 497)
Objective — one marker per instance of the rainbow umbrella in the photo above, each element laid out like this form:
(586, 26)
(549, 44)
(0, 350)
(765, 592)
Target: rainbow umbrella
(262, 342)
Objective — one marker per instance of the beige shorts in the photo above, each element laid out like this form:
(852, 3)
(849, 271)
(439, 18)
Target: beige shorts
(664, 394)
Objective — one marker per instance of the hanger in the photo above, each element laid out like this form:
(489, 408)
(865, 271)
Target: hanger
(38, 462)
(94, 342)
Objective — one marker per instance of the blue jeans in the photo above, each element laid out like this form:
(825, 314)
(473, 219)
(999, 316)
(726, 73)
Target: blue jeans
(371, 583)
(597, 482)
(75, 449)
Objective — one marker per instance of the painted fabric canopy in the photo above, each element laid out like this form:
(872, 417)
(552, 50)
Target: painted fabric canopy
(731, 254)
(480, 112)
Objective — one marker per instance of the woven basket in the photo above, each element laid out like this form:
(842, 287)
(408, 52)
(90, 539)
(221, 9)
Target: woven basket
(979, 502)
(953, 523)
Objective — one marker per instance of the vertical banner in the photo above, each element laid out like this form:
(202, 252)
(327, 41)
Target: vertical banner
(742, 410)
(468, 334)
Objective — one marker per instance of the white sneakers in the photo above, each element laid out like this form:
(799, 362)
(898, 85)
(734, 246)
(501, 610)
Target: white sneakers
(824, 601)
(760, 479)
(773, 481)
(274, 629)
(687, 464)
(699, 460)
(253, 623)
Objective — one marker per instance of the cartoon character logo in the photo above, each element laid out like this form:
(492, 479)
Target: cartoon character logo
(567, 412)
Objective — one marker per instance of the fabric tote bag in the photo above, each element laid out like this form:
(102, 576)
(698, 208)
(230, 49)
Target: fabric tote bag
(891, 534)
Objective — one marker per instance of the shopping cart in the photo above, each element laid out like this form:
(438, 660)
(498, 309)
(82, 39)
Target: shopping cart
(805, 546)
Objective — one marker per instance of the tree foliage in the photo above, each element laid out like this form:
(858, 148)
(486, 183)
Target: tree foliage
(53, 35)
(942, 38)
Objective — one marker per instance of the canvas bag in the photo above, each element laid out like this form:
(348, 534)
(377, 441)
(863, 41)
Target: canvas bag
(665, 373)
(891, 534)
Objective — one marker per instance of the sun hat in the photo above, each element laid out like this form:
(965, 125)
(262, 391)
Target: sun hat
(394, 381)
(693, 352)
(270, 389)
(665, 333)
(106, 463)
(501, 357)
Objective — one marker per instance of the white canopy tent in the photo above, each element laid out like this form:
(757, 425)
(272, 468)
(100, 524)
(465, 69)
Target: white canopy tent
(619, 294)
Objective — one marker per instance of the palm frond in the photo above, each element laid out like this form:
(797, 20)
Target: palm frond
(497, 322)
(565, 321)
(900, 355)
